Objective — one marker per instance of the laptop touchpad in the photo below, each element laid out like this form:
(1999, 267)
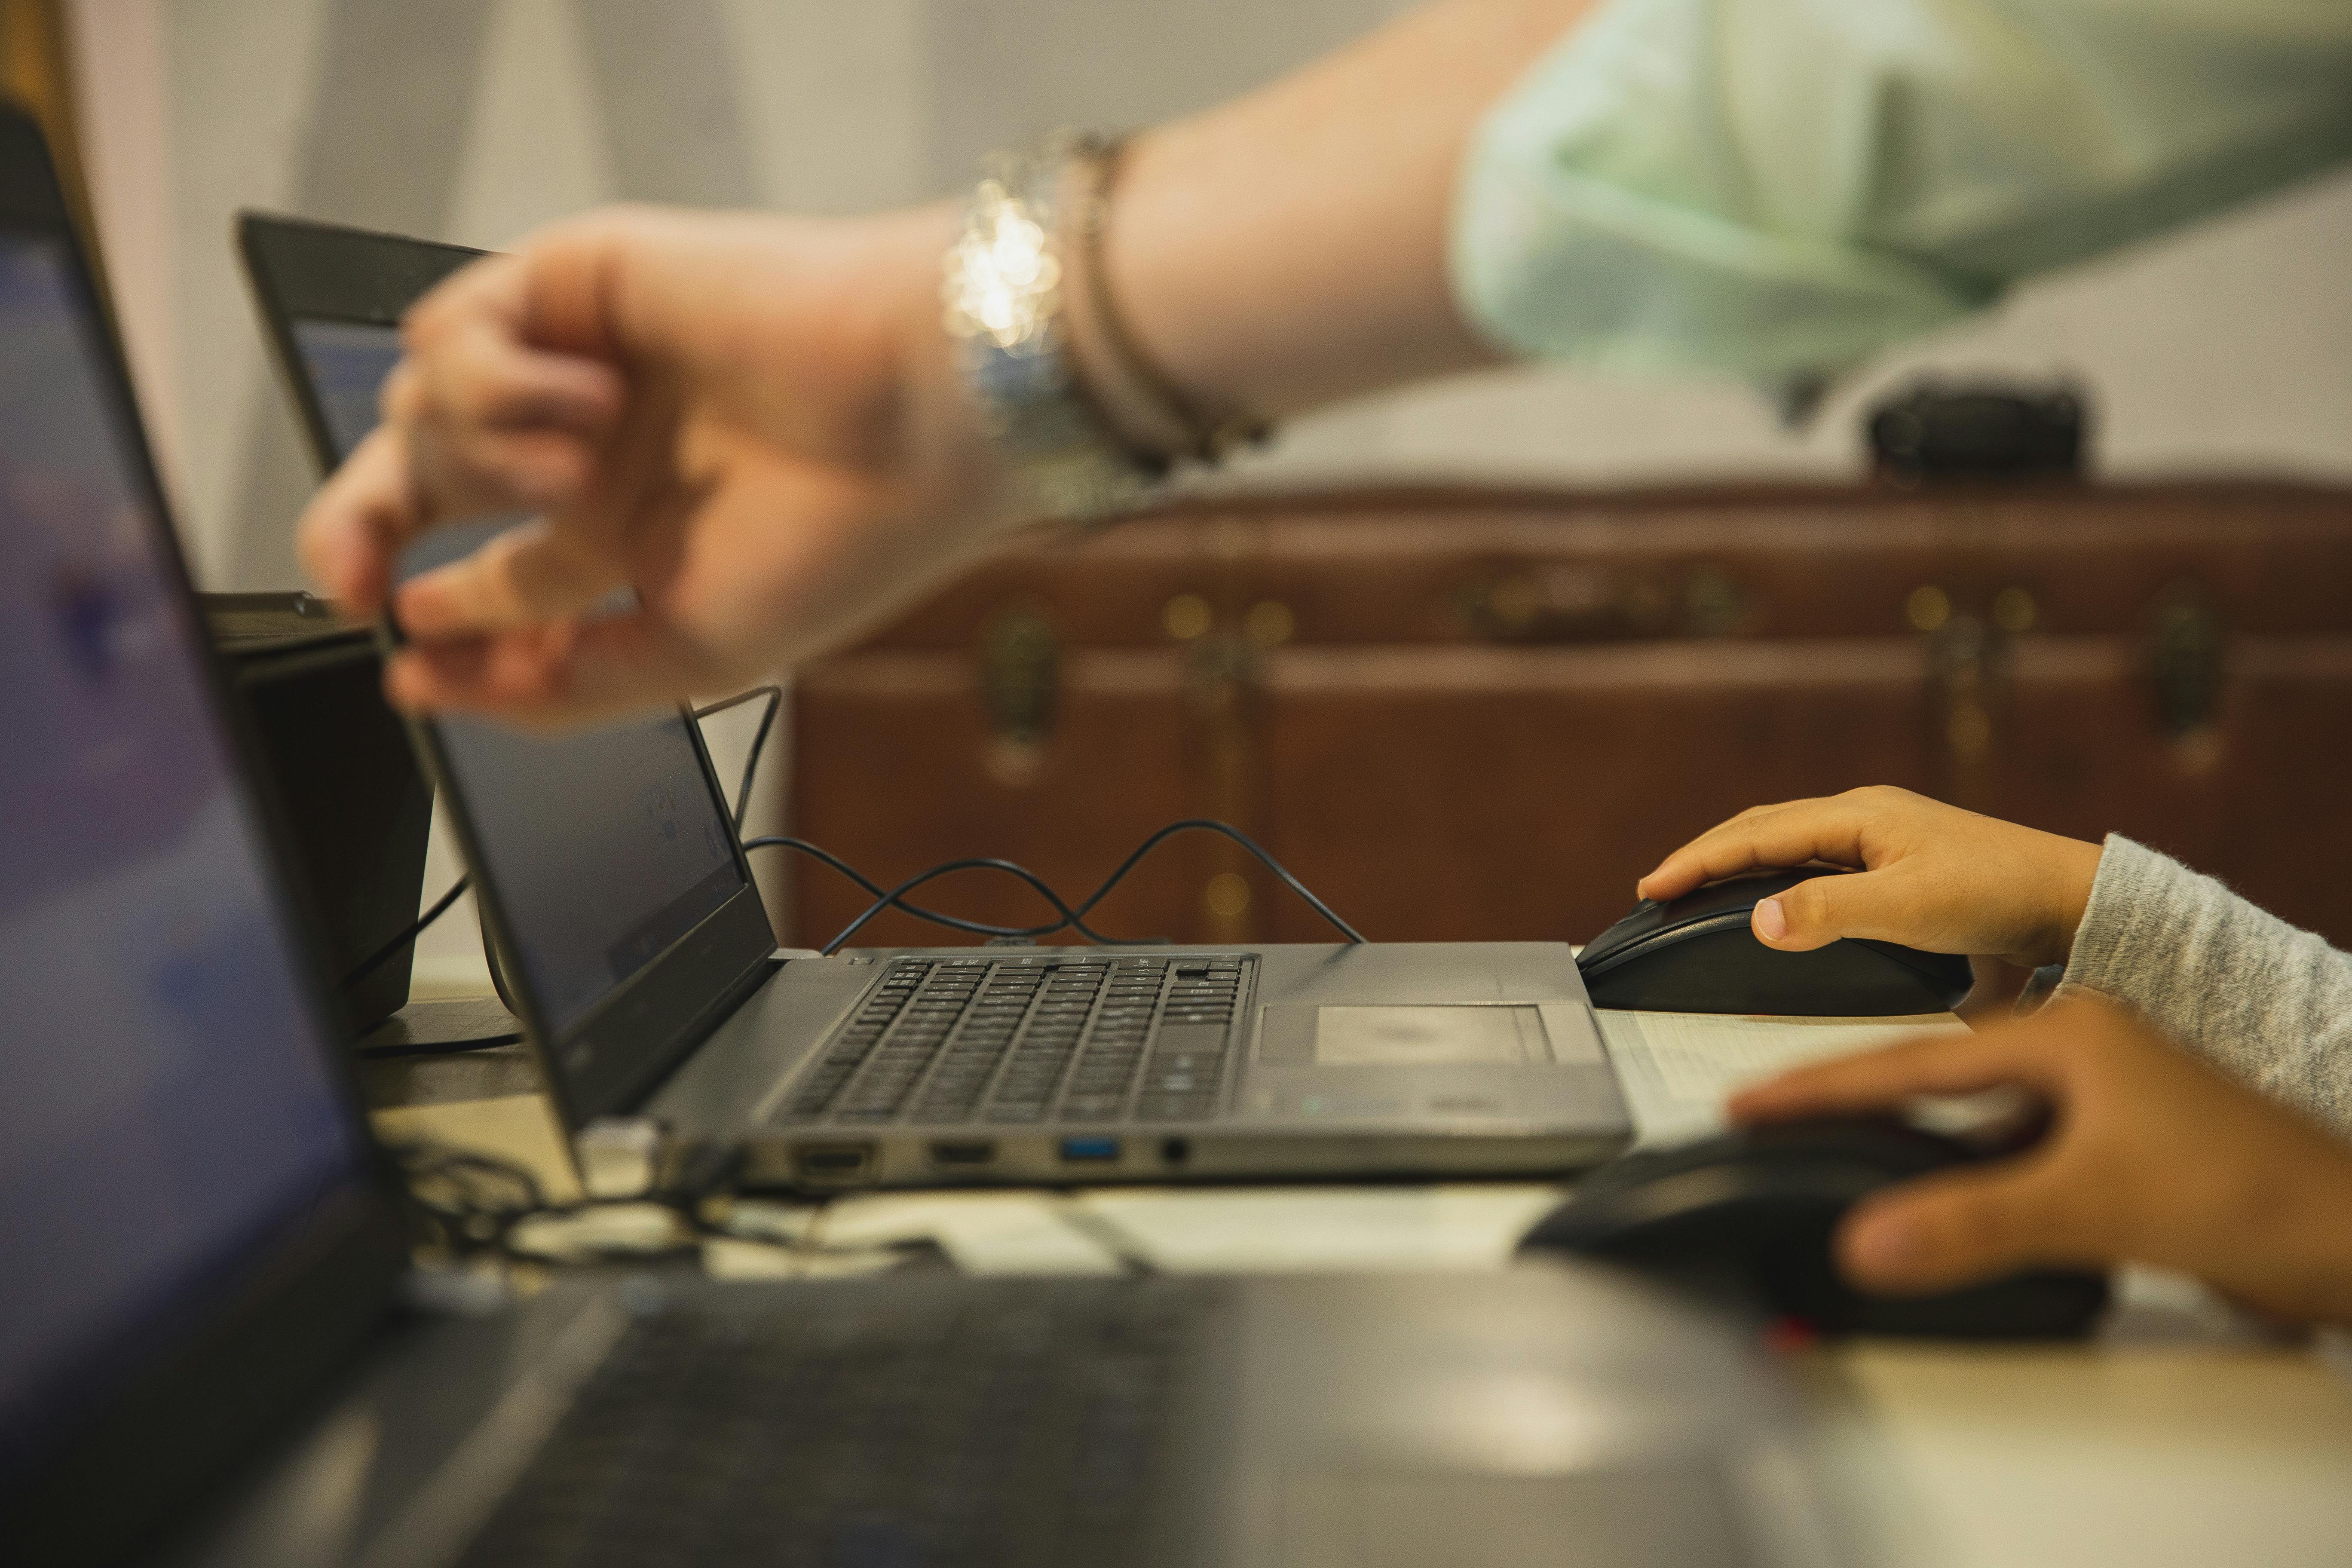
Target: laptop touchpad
(1395, 1037)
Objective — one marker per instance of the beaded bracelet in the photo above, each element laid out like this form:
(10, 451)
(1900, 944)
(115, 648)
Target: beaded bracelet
(1201, 434)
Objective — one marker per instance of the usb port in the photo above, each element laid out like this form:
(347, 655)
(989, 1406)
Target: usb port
(834, 1163)
(1089, 1150)
(977, 1153)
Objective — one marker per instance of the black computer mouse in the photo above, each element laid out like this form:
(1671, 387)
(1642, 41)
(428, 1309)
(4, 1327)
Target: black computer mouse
(1747, 1217)
(1696, 954)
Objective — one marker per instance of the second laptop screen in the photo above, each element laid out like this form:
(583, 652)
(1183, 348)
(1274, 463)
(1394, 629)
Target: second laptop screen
(604, 845)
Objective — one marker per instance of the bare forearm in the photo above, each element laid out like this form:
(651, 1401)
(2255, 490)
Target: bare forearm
(773, 457)
(1288, 248)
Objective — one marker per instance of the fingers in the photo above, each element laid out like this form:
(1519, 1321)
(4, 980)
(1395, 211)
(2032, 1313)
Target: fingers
(1881, 1080)
(1942, 1232)
(472, 357)
(1884, 905)
(552, 674)
(1787, 835)
(2151, 1156)
(1883, 902)
(478, 418)
(500, 419)
(535, 572)
(356, 524)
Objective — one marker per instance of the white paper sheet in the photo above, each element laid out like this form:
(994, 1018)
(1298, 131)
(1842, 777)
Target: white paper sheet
(1677, 1069)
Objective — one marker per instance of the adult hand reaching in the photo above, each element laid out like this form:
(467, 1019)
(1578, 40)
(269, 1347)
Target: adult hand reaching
(2152, 1158)
(751, 421)
(756, 423)
(1934, 877)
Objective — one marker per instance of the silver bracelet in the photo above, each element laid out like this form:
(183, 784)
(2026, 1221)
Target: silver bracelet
(1003, 293)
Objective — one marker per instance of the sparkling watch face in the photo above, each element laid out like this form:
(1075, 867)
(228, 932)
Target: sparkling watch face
(1004, 304)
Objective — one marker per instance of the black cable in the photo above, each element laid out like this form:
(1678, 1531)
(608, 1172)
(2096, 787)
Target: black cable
(1211, 825)
(895, 897)
(476, 1203)
(1133, 1258)
(776, 696)
(874, 889)
(1072, 919)
(376, 960)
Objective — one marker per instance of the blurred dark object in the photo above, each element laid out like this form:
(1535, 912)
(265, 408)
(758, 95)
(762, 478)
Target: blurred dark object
(1469, 713)
(1747, 1218)
(37, 75)
(1933, 432)
(356, 810)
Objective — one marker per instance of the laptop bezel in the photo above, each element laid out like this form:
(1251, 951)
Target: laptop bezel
(250, 1359)
(608, 1061)
(301, 271)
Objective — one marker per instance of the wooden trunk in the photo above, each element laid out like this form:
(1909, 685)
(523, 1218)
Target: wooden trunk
(1475, 713)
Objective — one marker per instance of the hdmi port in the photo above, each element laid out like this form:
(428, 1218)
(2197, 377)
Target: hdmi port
(834, 1164)
(981, 1153)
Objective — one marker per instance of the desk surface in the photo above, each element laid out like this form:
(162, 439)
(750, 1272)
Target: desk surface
(2179, 1439)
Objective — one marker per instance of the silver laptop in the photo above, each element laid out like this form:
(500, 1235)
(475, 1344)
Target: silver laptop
(207, 1355)
(635, 950)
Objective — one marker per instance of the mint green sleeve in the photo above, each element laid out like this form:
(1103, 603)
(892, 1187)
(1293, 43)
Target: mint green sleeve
(1778, 188)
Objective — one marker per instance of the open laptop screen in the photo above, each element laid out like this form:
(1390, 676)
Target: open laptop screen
(346, 362)
(167, 1112)
(605, 845)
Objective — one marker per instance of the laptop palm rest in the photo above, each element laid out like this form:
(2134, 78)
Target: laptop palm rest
(1415, 1031)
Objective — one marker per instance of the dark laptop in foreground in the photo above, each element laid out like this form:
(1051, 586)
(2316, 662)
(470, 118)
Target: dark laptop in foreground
(635, 948)
(205, 1355)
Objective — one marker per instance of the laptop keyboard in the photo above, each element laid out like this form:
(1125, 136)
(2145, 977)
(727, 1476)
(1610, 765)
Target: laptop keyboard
(886, 1422)
(1085, 1038)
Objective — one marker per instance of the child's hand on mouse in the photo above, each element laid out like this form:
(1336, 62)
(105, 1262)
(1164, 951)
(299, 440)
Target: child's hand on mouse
(2152, 1157)
(1933, 876)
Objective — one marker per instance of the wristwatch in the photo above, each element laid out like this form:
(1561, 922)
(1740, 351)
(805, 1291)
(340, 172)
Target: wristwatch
(1003, 294)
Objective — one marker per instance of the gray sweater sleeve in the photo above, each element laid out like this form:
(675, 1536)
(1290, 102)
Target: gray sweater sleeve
(2264, 1000)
